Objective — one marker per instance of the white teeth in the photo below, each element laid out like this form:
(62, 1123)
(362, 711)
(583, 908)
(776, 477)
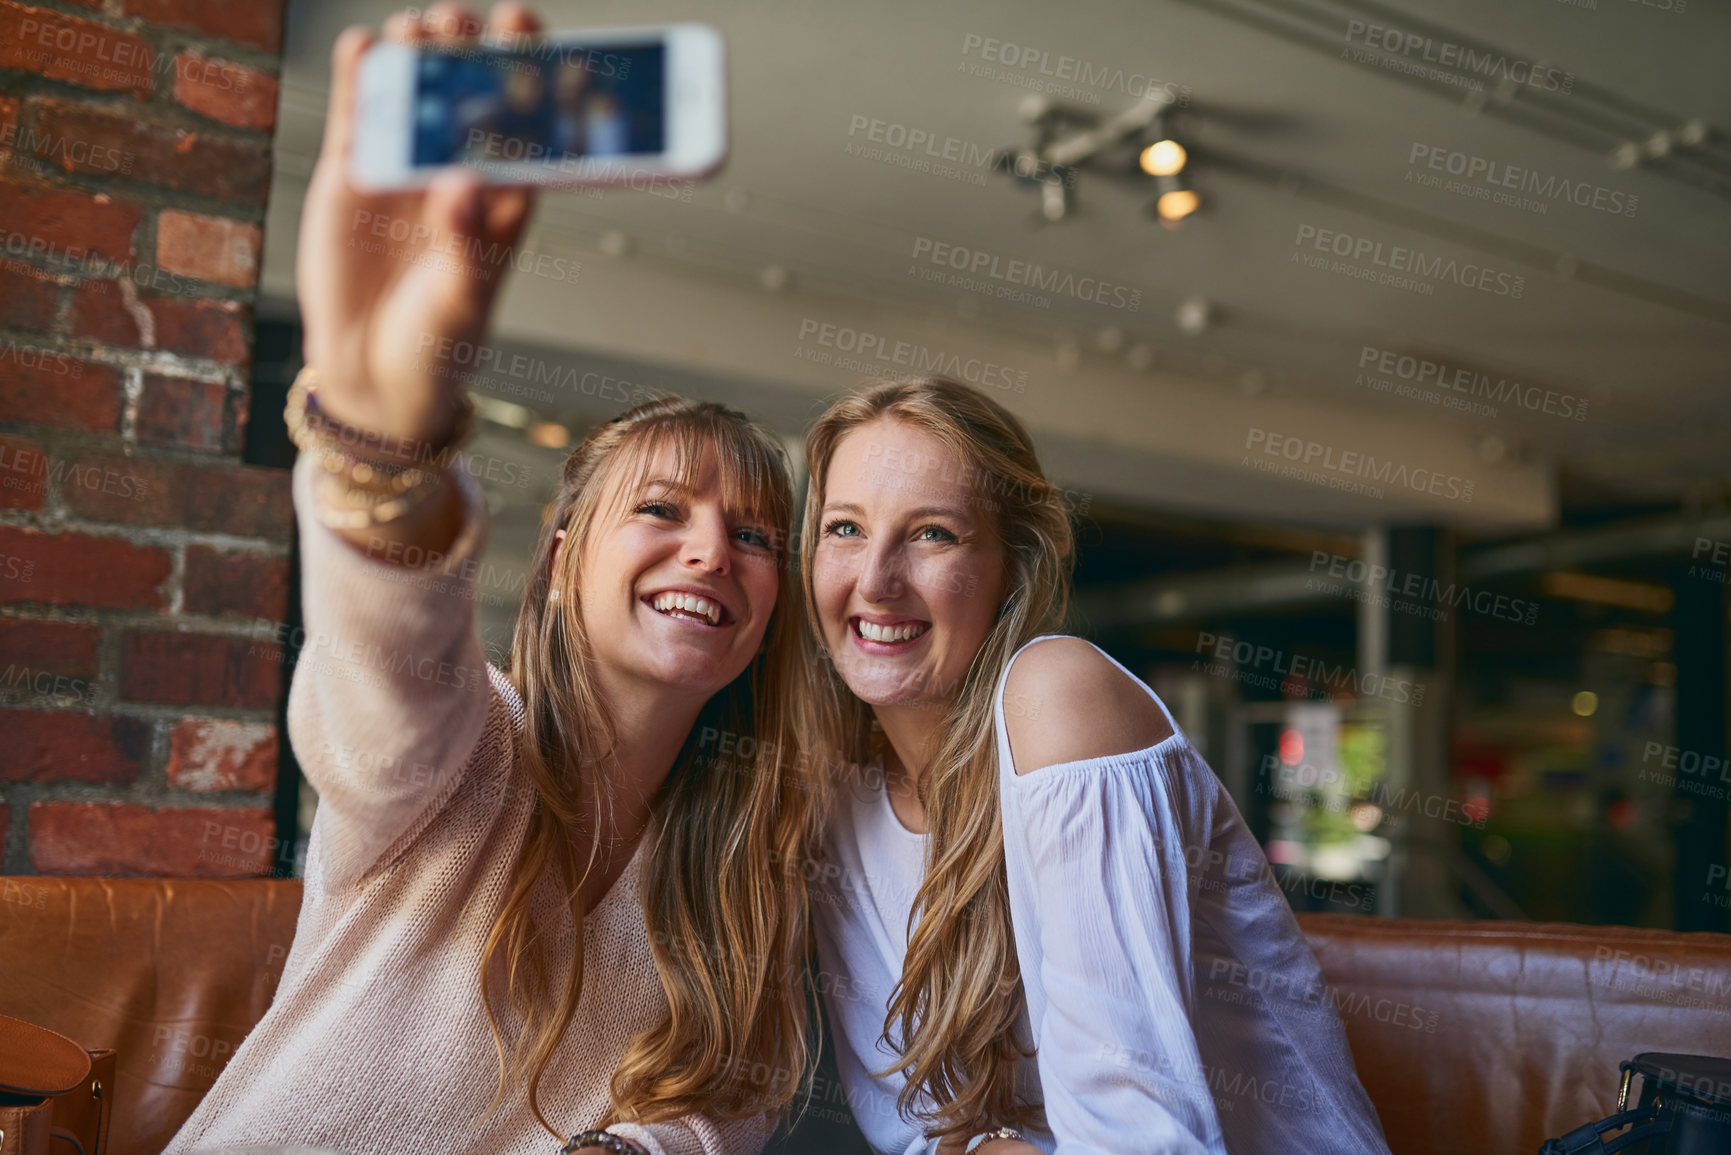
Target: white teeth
(872, 632)
(688, 603)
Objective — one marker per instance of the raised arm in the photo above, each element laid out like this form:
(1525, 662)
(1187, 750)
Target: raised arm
(391, 693)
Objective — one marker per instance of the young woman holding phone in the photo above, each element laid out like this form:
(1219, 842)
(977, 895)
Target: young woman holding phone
(1050, 914)
(531, 909)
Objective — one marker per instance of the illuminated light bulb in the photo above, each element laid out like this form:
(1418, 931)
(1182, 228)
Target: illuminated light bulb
(549, 435)
(1178, 204)
(1164, 158)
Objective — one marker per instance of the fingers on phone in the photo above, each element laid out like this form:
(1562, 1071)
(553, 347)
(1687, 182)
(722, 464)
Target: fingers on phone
(451, 21)
(506, 210)
(511, 18)
(405, 27)
(345, 64)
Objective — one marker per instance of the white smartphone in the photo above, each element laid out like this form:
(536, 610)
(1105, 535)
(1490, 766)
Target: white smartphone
(586, 107)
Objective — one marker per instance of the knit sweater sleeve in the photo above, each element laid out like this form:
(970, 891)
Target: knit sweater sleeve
(390, 694)
(700, 1135)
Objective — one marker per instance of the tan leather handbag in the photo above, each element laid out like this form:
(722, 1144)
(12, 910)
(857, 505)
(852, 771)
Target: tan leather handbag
(55, 1096)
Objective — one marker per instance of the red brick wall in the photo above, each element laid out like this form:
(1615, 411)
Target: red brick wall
(142, 566)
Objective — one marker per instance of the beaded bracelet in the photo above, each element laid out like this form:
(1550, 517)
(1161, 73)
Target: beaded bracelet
(614, 1144)
(359, 489)
(307, 419)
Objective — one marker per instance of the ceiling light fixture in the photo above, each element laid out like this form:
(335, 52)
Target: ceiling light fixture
(1175, 201)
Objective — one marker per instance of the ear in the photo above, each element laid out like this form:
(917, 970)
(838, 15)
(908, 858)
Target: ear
(558, 544)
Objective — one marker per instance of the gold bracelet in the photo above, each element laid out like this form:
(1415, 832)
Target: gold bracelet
(358, 489)
(308, 424)
(374, 509)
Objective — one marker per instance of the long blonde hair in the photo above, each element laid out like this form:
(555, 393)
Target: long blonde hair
(953, 1014)
(730, 932)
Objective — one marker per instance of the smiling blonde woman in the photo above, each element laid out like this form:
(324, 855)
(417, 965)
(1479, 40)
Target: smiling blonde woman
(474, 968)
(1040, 904)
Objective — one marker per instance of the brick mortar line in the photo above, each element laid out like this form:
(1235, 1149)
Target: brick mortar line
(160, 537)
(109, 271)
(141, 27)
(31, 84)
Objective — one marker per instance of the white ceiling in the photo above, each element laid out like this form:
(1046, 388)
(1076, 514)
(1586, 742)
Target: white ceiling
(1630, 313)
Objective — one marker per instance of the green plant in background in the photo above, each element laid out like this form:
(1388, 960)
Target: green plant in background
(1363, 761)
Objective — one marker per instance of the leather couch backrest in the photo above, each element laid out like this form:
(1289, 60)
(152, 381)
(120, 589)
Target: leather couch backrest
(1481, 1037)
(1495, 1036)
(171, 974)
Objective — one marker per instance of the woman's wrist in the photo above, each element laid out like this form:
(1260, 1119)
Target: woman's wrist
(602, 1141)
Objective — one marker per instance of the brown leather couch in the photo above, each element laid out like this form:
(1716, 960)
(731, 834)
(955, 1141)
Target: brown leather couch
(1481, 1037)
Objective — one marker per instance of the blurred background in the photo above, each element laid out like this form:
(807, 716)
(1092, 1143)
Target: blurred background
(1480, 676)
(1381, 349)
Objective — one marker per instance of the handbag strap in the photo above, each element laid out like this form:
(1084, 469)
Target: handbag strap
(37, 1061)
(1587, 1137)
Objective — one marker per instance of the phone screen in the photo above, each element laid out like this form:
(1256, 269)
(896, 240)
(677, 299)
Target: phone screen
(551, 104)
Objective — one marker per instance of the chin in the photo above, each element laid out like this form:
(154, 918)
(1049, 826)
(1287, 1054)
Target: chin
(883, 688)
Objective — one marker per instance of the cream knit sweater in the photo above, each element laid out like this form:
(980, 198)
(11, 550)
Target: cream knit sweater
(377, 1043)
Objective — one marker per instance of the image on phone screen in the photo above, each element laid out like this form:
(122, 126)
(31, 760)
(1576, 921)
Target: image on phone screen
(553, 103)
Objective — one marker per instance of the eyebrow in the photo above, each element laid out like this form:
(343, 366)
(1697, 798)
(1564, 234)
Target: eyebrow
(955, 511)
(748, 513)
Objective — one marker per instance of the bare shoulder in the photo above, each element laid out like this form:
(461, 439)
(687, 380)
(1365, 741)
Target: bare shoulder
(1065, 701)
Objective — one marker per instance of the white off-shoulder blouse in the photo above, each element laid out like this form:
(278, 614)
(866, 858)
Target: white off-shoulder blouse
(1173, 1002)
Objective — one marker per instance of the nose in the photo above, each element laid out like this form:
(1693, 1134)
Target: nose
(882, 575)
(705, 546)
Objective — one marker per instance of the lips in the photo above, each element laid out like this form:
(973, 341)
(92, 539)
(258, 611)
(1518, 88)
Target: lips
(686, 605)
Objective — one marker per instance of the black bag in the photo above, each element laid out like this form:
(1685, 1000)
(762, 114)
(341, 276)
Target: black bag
(1684, 1109)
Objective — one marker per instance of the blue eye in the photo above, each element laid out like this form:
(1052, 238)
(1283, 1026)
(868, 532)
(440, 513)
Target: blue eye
(841, 527)
(658, 509)
(944, 534)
